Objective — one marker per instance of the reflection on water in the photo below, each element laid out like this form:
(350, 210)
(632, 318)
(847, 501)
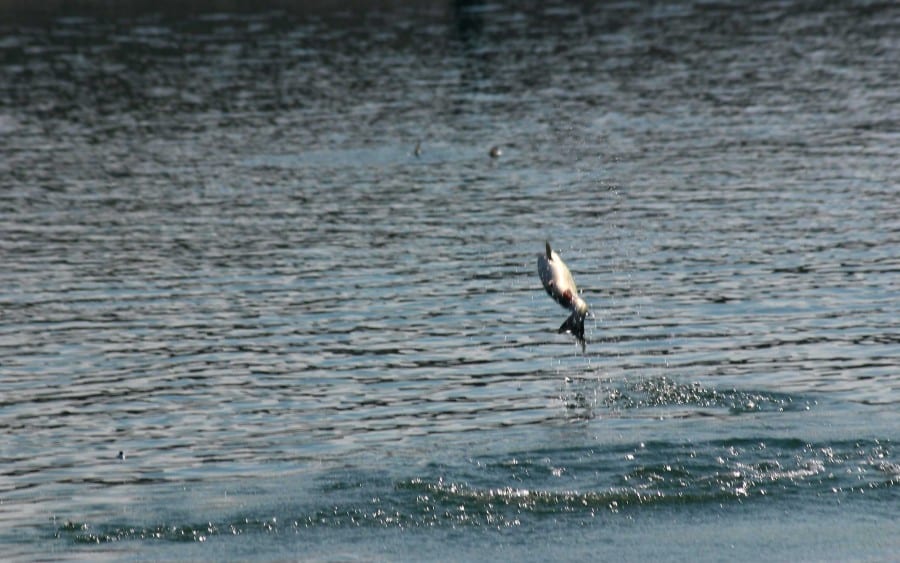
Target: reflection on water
(222, 255)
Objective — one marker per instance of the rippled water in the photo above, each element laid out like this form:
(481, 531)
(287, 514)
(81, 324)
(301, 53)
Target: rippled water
(222, 257)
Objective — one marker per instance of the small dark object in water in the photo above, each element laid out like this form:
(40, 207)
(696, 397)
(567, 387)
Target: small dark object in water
(496, 152)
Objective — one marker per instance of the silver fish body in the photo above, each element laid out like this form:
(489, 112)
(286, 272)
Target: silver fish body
(558, 281)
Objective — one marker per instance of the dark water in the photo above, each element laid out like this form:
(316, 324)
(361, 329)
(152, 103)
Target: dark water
(221, 256)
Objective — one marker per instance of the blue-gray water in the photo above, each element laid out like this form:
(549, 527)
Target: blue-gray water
(220, 255)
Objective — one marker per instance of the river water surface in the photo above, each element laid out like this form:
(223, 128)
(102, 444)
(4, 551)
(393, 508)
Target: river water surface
(221, 255)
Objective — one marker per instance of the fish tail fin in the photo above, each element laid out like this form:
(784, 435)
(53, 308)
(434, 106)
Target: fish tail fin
(574, 325)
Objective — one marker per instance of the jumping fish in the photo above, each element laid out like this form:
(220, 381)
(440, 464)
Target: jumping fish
(558, 282)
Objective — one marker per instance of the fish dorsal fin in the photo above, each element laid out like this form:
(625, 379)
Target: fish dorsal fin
(549, 251)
